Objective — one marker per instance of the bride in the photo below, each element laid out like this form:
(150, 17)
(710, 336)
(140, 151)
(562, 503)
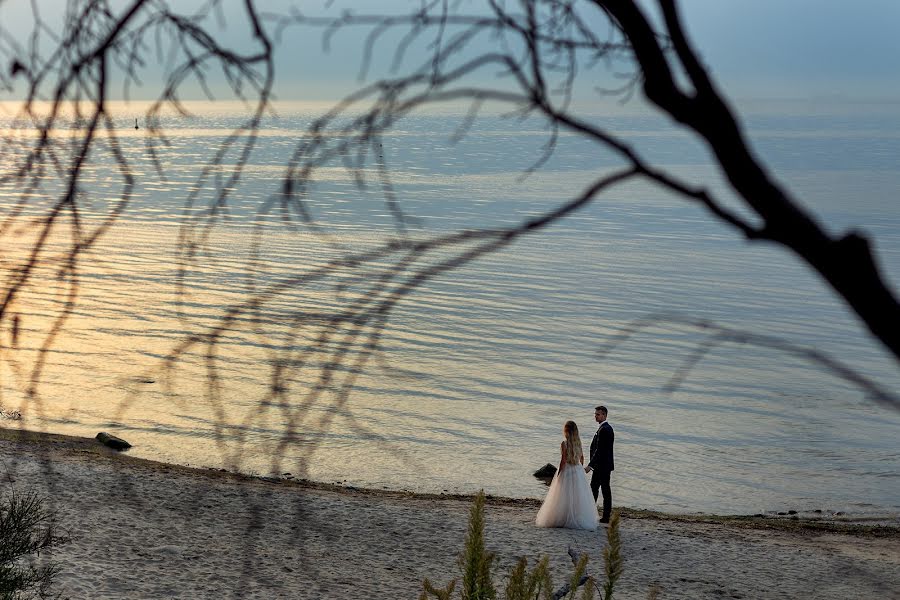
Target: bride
(569, 502)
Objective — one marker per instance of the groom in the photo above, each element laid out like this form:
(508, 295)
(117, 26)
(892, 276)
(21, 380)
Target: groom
(601, 462)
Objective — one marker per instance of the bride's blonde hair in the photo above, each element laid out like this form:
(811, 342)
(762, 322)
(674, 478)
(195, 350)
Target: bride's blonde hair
(573, 443)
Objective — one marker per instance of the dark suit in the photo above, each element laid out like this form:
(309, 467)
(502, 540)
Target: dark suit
(602, 464)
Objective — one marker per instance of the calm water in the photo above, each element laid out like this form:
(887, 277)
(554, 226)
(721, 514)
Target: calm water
(479, 368)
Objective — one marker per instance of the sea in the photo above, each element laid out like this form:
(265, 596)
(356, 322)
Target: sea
(310, 337)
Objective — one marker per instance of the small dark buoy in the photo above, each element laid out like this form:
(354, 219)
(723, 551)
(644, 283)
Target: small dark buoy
(135, 124)
(15, 330)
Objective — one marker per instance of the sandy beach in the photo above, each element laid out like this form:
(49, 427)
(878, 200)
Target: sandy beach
(141, 529)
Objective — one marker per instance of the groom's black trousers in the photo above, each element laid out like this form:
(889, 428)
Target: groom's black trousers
(600, 482)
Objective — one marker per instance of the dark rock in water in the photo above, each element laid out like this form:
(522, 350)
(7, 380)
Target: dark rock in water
(116, 443)
(545, 472)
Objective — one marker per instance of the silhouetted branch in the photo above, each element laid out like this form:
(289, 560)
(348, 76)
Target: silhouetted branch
(844, 261)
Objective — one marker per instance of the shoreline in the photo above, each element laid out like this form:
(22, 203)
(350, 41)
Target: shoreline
(145, 529)
(852, 525)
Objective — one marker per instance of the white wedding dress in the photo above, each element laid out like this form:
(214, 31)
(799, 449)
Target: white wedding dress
(569, 502)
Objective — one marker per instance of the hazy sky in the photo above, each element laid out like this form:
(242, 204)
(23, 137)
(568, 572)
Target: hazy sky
(800, 47)
(755, 48)
(764, 48)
